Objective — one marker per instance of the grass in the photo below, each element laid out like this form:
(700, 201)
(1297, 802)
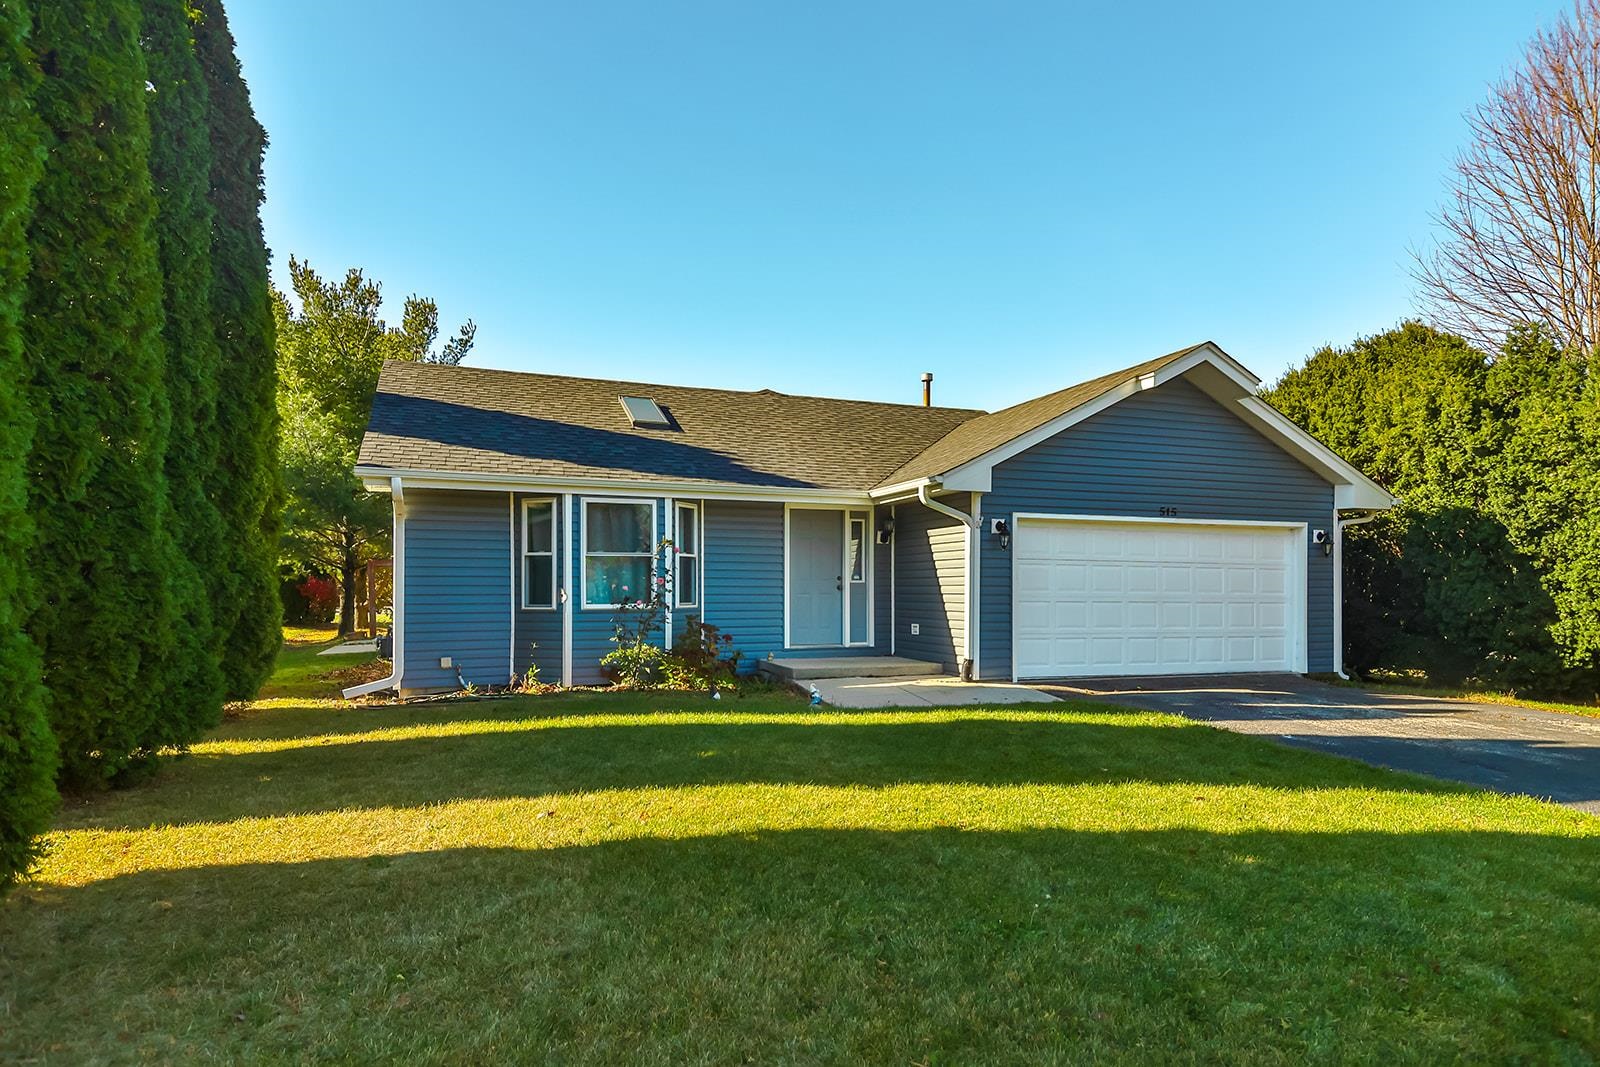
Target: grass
(594, 878)
(1420, 686)
(301, 670)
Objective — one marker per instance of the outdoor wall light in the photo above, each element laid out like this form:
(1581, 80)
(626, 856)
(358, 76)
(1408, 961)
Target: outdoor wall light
(1002, 531)
(885, 531)
(1320, 537)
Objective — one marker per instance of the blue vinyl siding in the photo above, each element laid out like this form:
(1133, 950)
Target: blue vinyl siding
(744, 574)
(457, 588)
(930, 579)
(883, 570)
(542, 628)
(1173, 447)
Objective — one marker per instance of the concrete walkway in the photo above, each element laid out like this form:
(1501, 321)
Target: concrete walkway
(927, 691)
(1508, 749)
(350, 647)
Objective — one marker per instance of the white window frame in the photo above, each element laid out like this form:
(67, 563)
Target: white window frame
(528, 556)
(852, 520)
(678, 601)
(583, 548)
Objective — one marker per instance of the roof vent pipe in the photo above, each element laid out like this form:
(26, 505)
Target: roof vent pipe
(927, 388)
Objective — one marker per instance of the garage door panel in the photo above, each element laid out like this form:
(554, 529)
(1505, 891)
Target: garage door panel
(1101, 597)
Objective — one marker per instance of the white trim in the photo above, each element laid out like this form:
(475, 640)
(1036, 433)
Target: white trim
(667, 531)
(1180, 521)
(977, 475)
(1221, 377)
(698, 524)
(524, 555)
(1355, 491)
(583, 547)
(516, 580)
(1298, 599)
(376, 479)
(974, 588)
(566, 589)
(397, 628)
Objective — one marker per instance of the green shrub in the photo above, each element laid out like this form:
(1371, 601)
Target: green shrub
(245, 481)
(92, 332)
(27, 747)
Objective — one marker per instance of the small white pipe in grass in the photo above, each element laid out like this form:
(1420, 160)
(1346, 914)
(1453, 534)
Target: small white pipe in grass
(397, 627)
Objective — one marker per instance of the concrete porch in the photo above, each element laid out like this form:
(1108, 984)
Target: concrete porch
(892, 682)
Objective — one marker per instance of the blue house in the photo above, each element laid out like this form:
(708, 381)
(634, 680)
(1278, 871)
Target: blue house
(1162, 519)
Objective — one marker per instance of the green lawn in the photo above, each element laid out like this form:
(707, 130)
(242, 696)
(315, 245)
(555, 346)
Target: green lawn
(597, 879)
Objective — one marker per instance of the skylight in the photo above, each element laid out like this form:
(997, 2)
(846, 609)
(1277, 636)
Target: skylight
(645, 413)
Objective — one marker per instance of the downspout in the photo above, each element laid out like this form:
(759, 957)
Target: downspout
(945, 509)
(397, 494)
(967, 667)
(1341, 524)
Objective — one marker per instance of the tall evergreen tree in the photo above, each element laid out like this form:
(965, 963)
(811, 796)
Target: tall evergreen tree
(246, 484)
(92, 337)
(27, 748)
(180, 167)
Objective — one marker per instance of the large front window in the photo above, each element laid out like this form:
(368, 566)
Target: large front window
(618, 551)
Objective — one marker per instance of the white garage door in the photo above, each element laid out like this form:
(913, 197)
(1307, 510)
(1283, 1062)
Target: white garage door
(1092, 597)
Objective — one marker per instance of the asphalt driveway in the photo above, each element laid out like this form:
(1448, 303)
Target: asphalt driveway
(1511, 750)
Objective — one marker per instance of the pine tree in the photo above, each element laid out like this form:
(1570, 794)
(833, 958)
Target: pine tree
(180, 166)
(92, 338)
(27, 748)
(247, 484)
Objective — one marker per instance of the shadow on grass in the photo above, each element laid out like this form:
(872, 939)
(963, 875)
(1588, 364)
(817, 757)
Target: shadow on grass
(839, 946)
(569, 759)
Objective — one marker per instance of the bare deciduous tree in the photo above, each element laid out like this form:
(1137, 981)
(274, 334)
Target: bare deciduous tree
(1521, 227)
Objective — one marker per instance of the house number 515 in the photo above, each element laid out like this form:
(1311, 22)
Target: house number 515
(1169, 513)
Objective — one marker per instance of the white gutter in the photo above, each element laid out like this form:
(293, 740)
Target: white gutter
(945, 509)
(971, 522)
(397, 491)
(1338, 586)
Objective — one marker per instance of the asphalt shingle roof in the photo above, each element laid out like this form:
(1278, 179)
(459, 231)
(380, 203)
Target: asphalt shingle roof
(470, 420)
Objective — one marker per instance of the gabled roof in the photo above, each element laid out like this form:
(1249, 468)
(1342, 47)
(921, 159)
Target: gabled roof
(468, 420)
(975, 437)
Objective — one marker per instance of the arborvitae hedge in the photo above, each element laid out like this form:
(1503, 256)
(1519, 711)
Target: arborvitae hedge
(180, 167)
(246, 484)
(27, 748)
(92, 337)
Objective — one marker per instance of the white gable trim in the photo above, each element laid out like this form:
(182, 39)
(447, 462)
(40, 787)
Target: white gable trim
(1226, 381)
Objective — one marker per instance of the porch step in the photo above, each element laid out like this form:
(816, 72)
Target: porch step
(812, 668)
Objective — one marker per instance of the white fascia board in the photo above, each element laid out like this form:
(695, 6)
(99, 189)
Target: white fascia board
(1351, 488)
(376, 479)
(1226, 381)
(975, 474)
(1210, 354)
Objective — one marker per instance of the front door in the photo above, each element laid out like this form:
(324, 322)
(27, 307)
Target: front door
(816, 577)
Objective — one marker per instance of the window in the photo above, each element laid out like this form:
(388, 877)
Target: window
(686, 562)
(618, 551)
(645, 413)
(539, 554)
(858, 550)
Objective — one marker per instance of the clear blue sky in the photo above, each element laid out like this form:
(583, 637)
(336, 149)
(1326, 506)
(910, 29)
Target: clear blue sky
(834, 197)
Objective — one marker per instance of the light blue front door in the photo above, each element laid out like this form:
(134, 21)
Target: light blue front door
(816, 577)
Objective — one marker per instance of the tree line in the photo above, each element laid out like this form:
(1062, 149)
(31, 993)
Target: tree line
(1489, 569)
(139, 483)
